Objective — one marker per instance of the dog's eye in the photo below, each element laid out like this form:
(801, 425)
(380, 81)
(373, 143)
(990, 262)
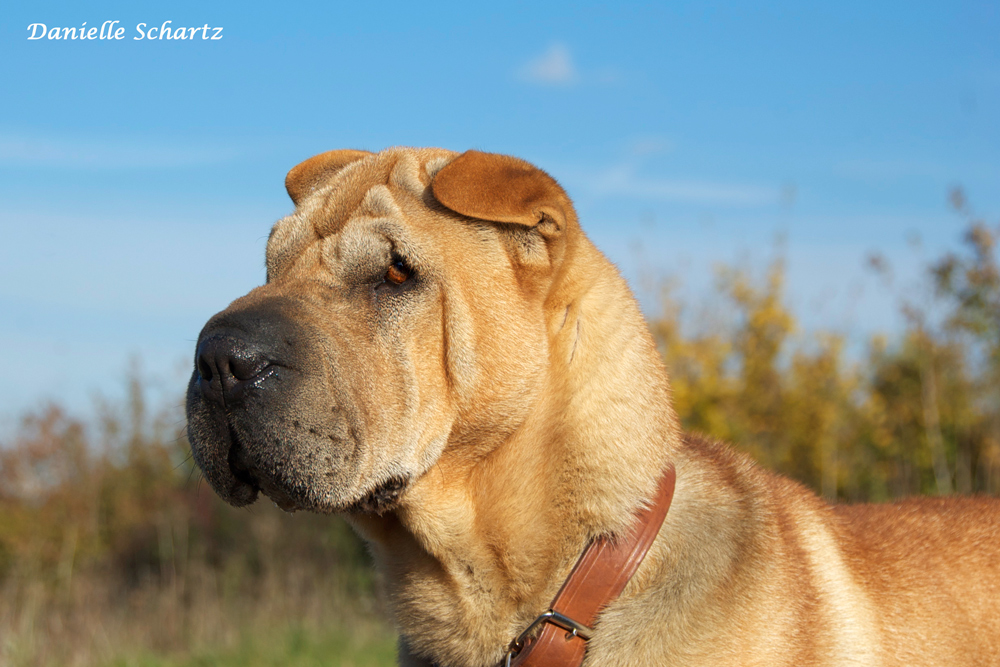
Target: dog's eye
(398, 272)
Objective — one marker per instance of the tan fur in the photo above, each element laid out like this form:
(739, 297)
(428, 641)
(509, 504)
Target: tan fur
(518, 391)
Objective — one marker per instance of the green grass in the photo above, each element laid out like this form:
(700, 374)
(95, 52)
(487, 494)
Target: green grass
(294, 646)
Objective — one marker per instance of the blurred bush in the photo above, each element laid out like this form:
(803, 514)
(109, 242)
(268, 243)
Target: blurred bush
(915, 415)
(112, 547)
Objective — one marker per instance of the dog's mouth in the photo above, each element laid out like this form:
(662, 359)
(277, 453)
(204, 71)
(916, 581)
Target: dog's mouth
(384, 497)
(280, 498)
(250, 481)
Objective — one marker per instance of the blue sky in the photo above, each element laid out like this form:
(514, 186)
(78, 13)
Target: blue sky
(139, 178)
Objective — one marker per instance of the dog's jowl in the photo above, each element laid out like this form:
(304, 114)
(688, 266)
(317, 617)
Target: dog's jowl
(440, 354)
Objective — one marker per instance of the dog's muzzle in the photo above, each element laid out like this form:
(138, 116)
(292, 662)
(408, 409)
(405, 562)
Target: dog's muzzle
(243, 361)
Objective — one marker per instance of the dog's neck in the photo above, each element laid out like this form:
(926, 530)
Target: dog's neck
(498, 535)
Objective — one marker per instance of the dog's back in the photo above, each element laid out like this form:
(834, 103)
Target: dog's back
(754, 569)
(930, 566)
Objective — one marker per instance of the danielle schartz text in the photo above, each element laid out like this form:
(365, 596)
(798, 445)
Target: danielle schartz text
(113, 30)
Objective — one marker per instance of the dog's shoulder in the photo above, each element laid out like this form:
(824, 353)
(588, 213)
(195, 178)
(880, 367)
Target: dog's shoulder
(952, 530)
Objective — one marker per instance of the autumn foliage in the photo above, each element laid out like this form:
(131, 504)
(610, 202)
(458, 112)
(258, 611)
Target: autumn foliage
(918, 414)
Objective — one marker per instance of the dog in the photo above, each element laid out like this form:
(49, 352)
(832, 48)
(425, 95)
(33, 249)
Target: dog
(441, 354)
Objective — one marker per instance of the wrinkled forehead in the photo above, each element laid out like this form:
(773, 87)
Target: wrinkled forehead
(372, 183)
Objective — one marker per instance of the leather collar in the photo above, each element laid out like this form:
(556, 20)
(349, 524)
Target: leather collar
(598, 578)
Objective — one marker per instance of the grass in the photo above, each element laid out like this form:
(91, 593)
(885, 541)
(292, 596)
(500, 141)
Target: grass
(365, 645)
(291, 616)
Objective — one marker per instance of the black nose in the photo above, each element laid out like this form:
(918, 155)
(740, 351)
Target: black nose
(227, 365)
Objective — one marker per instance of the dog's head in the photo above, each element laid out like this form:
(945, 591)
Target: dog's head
(404, 316)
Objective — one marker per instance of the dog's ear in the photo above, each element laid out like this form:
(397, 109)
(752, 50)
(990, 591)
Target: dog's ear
(305, 176)
(501, 188)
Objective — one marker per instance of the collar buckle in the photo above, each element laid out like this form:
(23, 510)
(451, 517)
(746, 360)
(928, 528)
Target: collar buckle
(573, 629)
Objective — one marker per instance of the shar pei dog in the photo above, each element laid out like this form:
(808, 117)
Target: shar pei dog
(440, 354)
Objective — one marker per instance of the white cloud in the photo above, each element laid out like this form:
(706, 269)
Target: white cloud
(19, 151)
(623, 181)
(884, 170)
(649, 145)
(554, 67)
(878, 170)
